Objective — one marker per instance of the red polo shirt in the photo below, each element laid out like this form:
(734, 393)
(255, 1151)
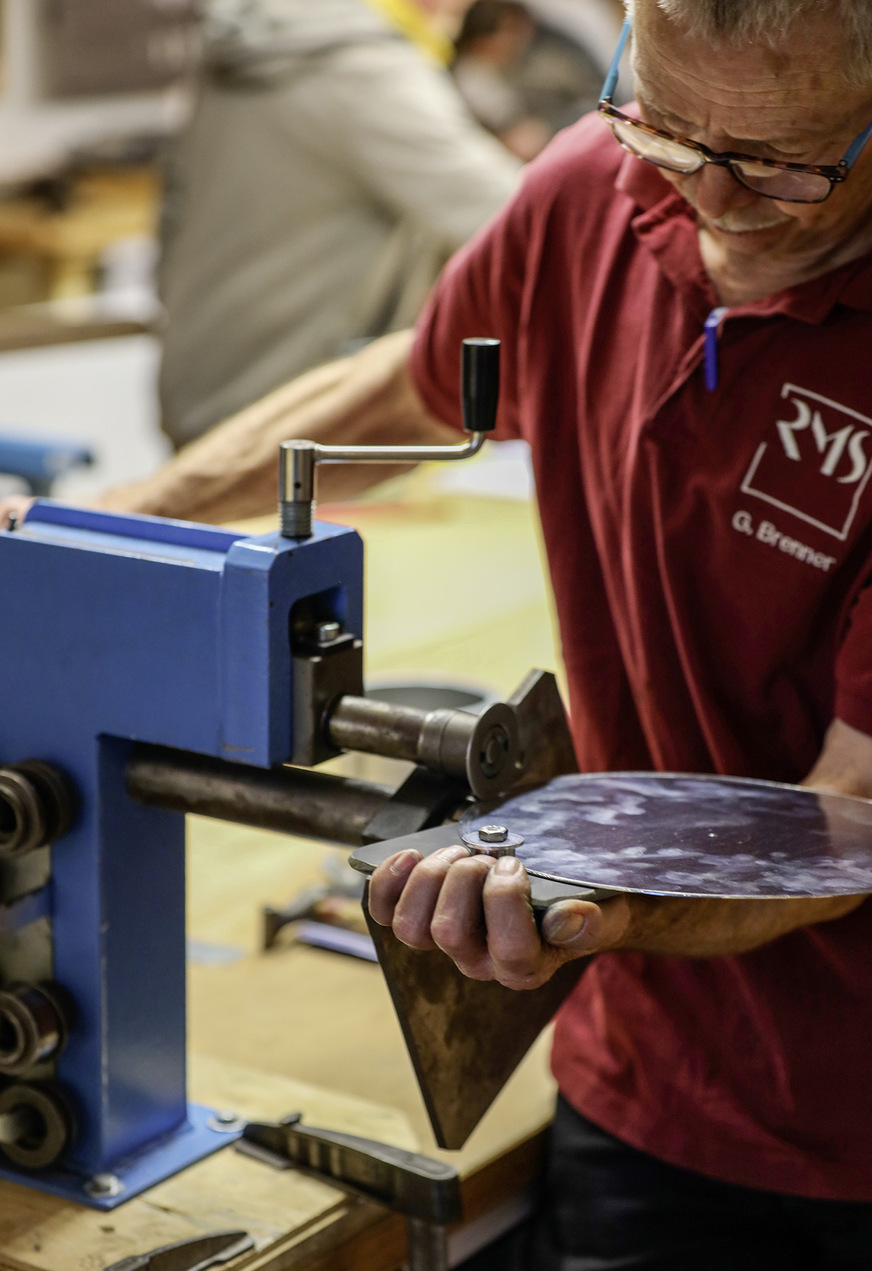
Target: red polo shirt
(710, 553)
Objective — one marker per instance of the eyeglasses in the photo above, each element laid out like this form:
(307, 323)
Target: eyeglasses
(786, 182)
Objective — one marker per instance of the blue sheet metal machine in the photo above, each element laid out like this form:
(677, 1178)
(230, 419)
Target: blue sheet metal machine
(209, 660)
(120, 630)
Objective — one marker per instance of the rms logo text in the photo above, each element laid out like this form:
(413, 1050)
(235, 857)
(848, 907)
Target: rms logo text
(846, 443)
(818, 463)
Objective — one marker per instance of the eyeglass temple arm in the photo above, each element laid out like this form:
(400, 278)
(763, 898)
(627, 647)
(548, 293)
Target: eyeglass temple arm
(611, 81)
(853, 152)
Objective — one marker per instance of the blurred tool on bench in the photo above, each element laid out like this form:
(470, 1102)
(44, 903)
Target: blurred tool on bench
(39, 462)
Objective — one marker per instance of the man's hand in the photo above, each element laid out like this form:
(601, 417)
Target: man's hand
(13, 509)
(477, 910)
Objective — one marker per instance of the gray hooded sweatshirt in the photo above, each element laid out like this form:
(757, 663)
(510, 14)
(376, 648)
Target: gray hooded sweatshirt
(328, 172)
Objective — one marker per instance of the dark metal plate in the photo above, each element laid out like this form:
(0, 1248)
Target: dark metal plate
(677, 835)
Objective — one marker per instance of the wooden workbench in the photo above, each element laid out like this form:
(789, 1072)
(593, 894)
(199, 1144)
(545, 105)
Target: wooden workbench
(454, 588)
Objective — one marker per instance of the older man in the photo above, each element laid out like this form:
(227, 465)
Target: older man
(687, 323)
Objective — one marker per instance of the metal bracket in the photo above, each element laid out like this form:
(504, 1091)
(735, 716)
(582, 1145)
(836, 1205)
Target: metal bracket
(424, 799)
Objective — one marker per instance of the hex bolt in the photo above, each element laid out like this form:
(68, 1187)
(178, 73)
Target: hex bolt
(492, 840)
(493, 833)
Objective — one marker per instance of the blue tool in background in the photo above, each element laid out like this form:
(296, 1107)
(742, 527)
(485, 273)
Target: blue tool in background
(39, 462)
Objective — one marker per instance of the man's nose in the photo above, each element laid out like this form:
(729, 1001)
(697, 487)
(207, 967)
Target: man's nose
(717, 192)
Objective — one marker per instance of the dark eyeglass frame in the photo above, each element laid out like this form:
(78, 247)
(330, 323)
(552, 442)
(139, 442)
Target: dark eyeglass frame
(834, 173)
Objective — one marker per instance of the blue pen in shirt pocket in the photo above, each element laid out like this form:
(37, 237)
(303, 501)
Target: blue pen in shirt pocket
(712, 367)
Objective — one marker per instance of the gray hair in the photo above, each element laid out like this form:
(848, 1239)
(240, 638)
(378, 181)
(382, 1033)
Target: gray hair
(768, 21)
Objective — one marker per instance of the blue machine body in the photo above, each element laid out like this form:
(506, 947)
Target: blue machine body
(133, 629)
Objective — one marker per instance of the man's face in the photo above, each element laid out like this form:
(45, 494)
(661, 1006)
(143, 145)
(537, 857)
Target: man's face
(790, 103)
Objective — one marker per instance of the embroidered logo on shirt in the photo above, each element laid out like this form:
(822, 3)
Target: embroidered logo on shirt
(817, 465)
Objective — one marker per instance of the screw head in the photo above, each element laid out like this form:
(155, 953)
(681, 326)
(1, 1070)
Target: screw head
(223, 1121)
(104, 1185)
(493, 834)
(328, 632)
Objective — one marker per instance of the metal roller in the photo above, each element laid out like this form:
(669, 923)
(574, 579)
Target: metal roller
(482, 749)
(36, 806)
(32, 1027)
(290, 800)
(35, 1125)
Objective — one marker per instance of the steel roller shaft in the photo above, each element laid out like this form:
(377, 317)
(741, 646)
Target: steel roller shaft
(17, 1124)
(290, 800)
(482, 749)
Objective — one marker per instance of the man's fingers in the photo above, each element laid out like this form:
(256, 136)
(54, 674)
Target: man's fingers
(458, 924)
(414, 909)
(477, 910)
(387, 883)
(513, 938)
(579, 927)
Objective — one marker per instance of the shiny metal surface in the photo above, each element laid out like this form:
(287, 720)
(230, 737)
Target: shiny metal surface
(493, 834)
(683, 835)
(298, 460)
(482, 843)
(395, 454)
(479, 394)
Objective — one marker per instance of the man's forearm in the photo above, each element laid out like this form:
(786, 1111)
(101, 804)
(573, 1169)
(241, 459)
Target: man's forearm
(231, 472)
(719, 928)
(711, 928)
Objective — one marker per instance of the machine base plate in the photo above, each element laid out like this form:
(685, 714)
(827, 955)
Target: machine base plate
(200, 1136)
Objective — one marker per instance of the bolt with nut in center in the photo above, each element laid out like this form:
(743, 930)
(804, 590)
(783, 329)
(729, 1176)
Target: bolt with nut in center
(492, 840)
(493, 834)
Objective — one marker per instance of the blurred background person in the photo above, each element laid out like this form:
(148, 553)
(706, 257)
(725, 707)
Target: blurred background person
(523, 78)
(329, 170)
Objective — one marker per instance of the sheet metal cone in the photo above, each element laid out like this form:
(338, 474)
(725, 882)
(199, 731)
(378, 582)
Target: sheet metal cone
(465, 1037)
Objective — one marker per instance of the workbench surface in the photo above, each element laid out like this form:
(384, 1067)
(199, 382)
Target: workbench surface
(300, 1029)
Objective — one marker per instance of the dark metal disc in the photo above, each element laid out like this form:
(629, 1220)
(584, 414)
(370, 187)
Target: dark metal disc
(668, 834)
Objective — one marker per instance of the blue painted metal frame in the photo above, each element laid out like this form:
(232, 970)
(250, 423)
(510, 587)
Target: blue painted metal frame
(122, 629)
